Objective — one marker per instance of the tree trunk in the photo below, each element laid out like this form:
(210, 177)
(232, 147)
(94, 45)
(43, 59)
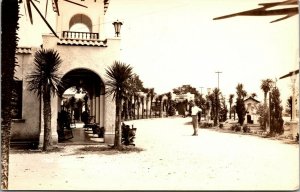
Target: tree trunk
(47, 119)
(151, 107)
(138, 109)
(161, 109)
(147, 108)
(10, 17)
(118, 131)
(126, 109)
(229, 110)
(234, 115)
(143, 107)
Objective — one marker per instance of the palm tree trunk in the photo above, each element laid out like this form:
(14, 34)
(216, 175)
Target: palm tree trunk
(10, 17)
(161, 109)
(126, 109)
(229, 110)
(143, 107)
(151, 107)
(118, 132)
(47, 119)
(147, 108)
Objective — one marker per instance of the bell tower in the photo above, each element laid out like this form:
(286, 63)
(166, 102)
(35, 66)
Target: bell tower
(80, 19)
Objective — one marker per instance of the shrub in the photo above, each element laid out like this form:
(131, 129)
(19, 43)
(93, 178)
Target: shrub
(246, 129)
(236, 127)
(221, 126)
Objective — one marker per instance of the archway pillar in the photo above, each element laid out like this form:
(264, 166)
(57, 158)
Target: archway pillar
(97, 110)
(109, 119)
(101, 107)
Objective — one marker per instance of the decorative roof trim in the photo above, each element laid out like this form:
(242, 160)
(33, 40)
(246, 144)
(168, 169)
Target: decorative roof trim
(251, 98)
(82, 42)
(24, 50)
(106, 3)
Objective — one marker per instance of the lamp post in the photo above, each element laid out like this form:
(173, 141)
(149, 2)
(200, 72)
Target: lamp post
(218, 77)
(117, 24)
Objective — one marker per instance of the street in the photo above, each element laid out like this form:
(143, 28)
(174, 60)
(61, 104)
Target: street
(167, 157)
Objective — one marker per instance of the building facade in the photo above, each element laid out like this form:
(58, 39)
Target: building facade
(85, 53)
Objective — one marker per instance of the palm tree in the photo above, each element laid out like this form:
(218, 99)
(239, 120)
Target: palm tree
(266, 86)
(118, 75)
(10, 17)
(240, 105)
(45, 81)
(216, 105)
(231, 96)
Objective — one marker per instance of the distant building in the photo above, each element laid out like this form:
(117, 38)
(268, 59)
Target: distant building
(183, 97)
(251, 105)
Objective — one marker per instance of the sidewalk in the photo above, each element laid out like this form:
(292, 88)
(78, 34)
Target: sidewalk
(166, 157)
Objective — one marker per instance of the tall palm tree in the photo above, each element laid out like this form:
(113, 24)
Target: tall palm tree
(266, 86)
(44, 80)
(231, 96)
(216, 103)
(240, 105)
(9, 42)
(118, 75)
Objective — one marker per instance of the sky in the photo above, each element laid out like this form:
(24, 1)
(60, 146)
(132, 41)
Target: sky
(170, 43)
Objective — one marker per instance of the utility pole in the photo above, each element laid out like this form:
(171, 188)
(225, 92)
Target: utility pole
(218, 77)
(201, 89)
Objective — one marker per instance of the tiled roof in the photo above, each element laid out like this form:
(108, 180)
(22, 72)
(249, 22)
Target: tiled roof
(82, 42)
(24, 50)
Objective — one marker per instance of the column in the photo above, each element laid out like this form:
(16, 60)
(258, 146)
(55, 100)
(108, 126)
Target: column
(97, 109)
(101, 107)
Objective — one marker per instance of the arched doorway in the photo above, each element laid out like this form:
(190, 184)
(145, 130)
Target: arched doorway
(82, 93)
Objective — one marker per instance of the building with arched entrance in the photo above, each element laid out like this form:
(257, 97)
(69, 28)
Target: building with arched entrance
(85, 53)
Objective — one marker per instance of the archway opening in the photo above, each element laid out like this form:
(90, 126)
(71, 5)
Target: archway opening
(80, 107)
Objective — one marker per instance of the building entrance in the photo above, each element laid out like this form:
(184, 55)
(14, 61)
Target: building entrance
(80, 108)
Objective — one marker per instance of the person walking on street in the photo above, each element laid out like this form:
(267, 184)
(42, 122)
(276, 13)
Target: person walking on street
(194, 113)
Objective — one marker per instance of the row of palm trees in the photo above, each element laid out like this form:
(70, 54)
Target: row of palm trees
(216, 103)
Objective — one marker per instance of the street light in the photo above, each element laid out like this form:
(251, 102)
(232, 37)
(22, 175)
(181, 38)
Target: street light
(201, 89)
(117, 24)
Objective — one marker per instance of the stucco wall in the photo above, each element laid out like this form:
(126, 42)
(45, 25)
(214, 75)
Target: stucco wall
(28, 127)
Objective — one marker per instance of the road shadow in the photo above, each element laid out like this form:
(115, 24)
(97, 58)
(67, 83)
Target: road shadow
(104, 150)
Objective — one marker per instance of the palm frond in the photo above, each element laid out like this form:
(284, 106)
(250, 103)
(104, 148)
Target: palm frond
(45, 72)
(118, 75)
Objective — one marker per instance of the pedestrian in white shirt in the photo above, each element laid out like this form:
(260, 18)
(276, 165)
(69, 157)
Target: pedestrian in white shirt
(194, 112)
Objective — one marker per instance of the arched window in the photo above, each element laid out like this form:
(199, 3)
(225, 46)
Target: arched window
(80, 27)
(80, 22)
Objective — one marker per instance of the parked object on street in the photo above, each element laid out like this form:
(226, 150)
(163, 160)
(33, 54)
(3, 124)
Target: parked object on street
(128, 134)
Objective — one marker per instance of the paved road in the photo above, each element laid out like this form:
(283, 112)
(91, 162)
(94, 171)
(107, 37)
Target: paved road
(171, 159)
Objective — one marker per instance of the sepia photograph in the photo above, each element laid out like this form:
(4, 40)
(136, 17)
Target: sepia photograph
(150, 95)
